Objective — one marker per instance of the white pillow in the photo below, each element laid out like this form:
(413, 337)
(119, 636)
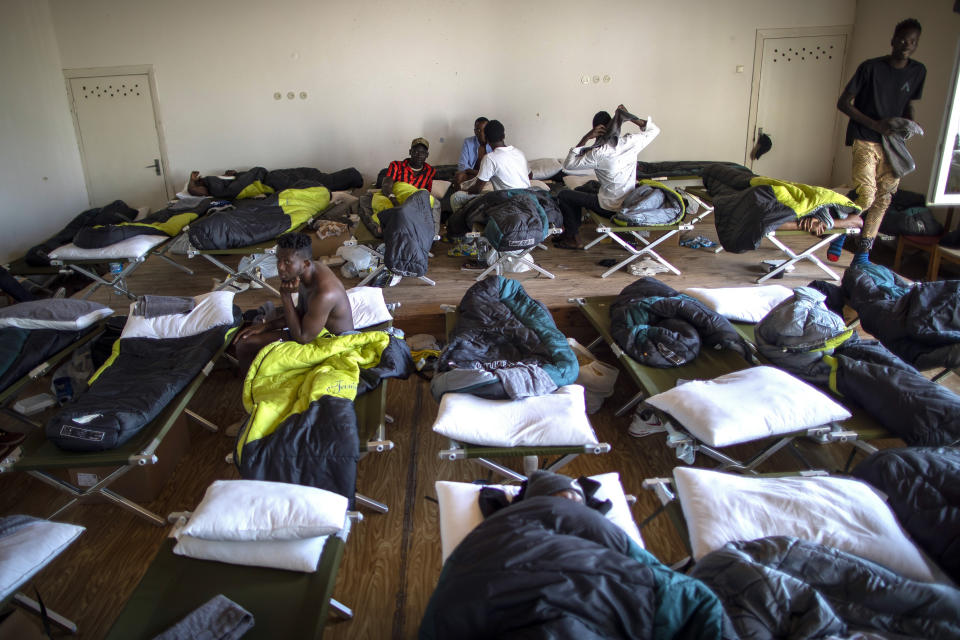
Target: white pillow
(367, 307)
(29, 549)
(460, 508)
(440, 188)
(747, 405)
(556, 419)
(837, 512)
(741, 304)
(544, 168)
(292, 555)
(62, 314)
(243, 510)
(572, 182)
(135, 247)
(537, 184)
(212, 310)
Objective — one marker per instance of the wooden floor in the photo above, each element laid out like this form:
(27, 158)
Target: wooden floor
(392, 560)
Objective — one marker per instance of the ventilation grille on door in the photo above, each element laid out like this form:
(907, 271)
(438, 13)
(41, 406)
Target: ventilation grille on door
(111, 90)
(803, 54)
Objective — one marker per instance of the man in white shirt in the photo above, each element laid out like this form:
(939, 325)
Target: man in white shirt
(505, 167)
(614, 159)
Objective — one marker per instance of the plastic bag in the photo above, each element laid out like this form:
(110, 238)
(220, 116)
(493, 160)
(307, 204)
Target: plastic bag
(358, 261)
(597, 378)
(268, 267)
(70, 379)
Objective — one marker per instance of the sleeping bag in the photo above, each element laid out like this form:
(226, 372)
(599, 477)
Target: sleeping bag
(748, 206)
(166, 222)
(660, 327)
(113, 213)
(343, 180)
(547, 567)
(922, 486)
(920, 322)
(259, 220)
(781, 587)
(801, 336)
(651, 203)
(408, 235)
(302, 427)
(513, 219)
(142, 376)
(505, 345)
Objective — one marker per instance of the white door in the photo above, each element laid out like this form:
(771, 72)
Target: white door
(800, 81)
(119, 142)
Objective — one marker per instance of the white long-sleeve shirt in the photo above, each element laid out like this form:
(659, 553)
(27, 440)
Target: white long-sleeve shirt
(615, 166)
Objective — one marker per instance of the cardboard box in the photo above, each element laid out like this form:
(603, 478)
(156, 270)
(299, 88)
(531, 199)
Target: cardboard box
(140, 484)
(328, 246)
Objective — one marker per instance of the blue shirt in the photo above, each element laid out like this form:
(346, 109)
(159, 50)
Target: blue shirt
(469, 152)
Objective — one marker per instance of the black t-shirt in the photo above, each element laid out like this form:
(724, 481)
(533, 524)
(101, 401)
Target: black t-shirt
(881, 91)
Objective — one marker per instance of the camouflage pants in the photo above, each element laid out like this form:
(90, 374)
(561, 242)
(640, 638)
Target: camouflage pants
(876, 183)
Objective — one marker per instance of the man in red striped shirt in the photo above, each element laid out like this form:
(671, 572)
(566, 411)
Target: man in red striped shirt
(414, 170)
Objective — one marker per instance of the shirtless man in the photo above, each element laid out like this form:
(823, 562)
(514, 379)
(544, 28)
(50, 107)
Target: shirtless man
(322, 303)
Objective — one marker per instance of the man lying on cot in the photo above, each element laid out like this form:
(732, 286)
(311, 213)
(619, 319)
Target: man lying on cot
(614, 159)
(472, 152)
(198, 186)
(322, 302)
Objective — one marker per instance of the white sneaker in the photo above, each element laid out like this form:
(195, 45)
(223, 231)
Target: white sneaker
(395, 280)
(645, 423)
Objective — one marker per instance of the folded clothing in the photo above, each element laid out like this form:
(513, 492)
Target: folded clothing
(154, 306)
(219, 618)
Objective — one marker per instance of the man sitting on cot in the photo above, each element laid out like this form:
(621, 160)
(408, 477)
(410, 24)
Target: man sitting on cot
(404, 177)
(472, 152)
(322, 302)
(505, 167)
(614, 159)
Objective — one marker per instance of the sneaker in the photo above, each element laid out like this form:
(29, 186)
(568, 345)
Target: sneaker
(395, 280)
(473, 265)
(463, 250)
(645, 423)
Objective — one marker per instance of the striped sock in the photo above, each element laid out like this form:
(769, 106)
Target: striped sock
(860, 259)
(835, 249)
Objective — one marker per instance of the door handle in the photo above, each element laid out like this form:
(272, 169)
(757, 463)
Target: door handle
(155, 166)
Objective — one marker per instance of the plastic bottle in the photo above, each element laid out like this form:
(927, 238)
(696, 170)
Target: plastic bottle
(116, 268)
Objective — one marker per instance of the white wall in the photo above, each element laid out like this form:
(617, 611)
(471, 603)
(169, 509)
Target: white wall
(378, 76)
(872, 32)
(41, 180)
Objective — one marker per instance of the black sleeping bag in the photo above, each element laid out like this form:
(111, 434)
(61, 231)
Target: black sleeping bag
(659, 327)
(132, 390)
(513, 219)
(922, 486)
(674, 168)
(547, 567)
(801, 336)
(166, 222)
(408, 235)
(748, 206)
(920, 322)
(113, 213)
(780, 587)
(343, 180)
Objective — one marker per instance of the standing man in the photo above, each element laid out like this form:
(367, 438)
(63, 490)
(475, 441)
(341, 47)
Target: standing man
(472, 152)
(614, 158)
(881, 89)
(322, 302)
